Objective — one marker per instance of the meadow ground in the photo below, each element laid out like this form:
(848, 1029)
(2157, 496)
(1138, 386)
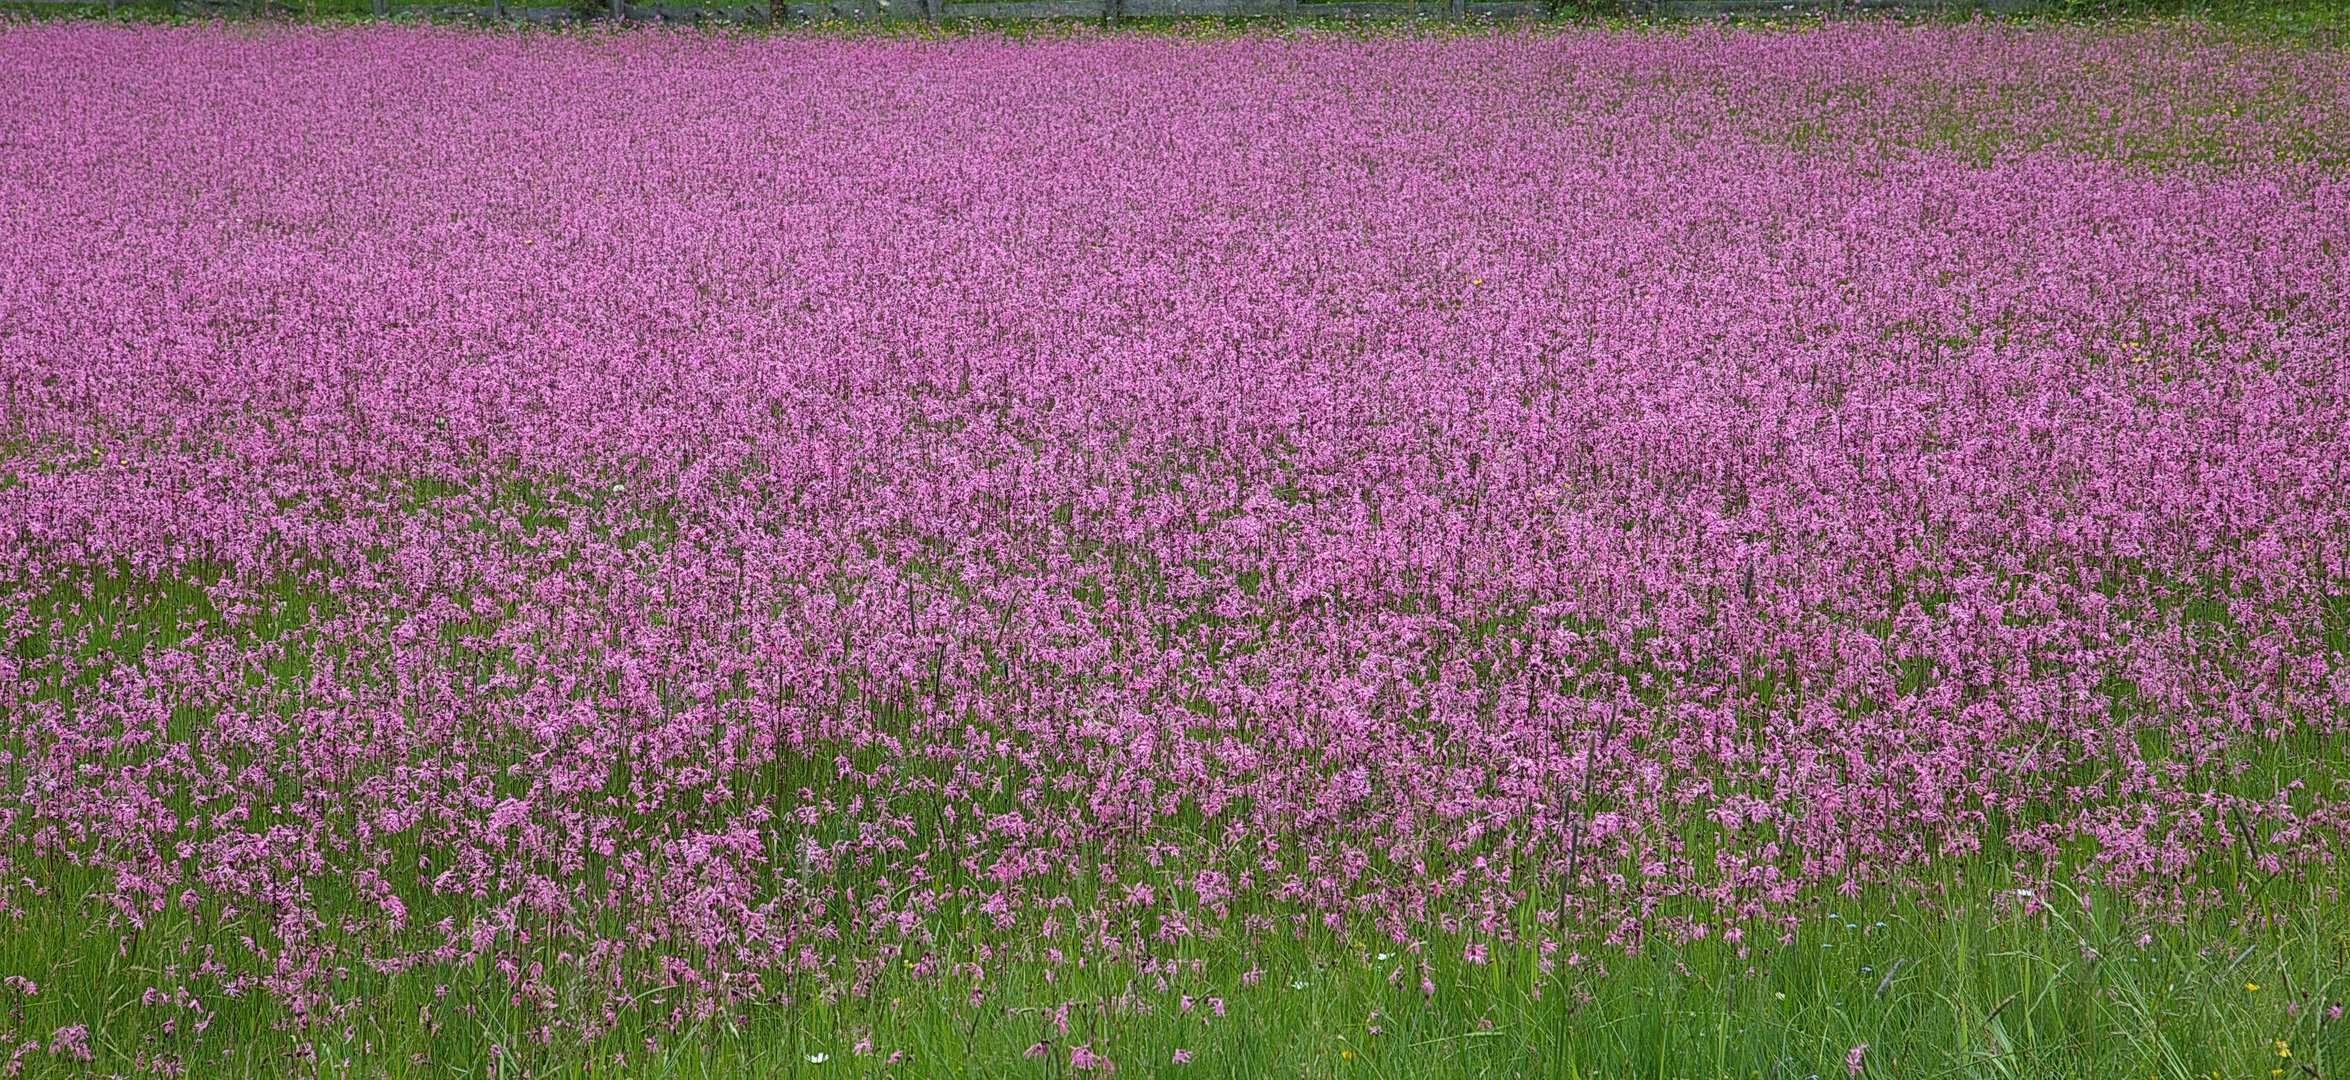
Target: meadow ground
(1684, 552)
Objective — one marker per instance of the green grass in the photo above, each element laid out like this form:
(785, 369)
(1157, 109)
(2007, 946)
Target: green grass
(1959, 981)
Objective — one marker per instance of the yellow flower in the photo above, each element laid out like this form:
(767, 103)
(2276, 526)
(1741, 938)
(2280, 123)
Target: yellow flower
(2251, 986)
(1347, 1055)
(2283, 1050)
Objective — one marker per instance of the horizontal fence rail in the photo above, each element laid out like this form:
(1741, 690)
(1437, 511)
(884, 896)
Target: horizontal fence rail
(624, 11)
(1763, 9)
(948, 10)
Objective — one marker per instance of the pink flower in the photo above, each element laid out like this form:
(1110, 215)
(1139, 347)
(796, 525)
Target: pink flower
(1182, 1056)
(1082, 1058)
(1852, 1059)
(828, 510)
(71, 1042)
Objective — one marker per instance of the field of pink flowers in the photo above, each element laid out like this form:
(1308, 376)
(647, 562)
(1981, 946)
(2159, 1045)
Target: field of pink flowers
(743, 524)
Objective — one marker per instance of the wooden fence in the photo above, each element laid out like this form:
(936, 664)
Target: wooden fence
(1108, 11)
(947, 10)
(874, 10)
(1765, 9)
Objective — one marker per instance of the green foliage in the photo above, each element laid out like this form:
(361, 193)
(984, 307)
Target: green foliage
(1965, 980)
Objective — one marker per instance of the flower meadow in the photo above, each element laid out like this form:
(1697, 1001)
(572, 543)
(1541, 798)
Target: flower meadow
(1710, 552)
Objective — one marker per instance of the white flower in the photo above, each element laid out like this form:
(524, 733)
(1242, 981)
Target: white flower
(819, 1059)
(1298, 985)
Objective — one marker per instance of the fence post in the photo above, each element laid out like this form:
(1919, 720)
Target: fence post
(1457, 10)
(382, 8)
(619, 10)
(1110, 12)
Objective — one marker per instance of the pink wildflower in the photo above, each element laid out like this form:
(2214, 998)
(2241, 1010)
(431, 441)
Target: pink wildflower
(71, 1042)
